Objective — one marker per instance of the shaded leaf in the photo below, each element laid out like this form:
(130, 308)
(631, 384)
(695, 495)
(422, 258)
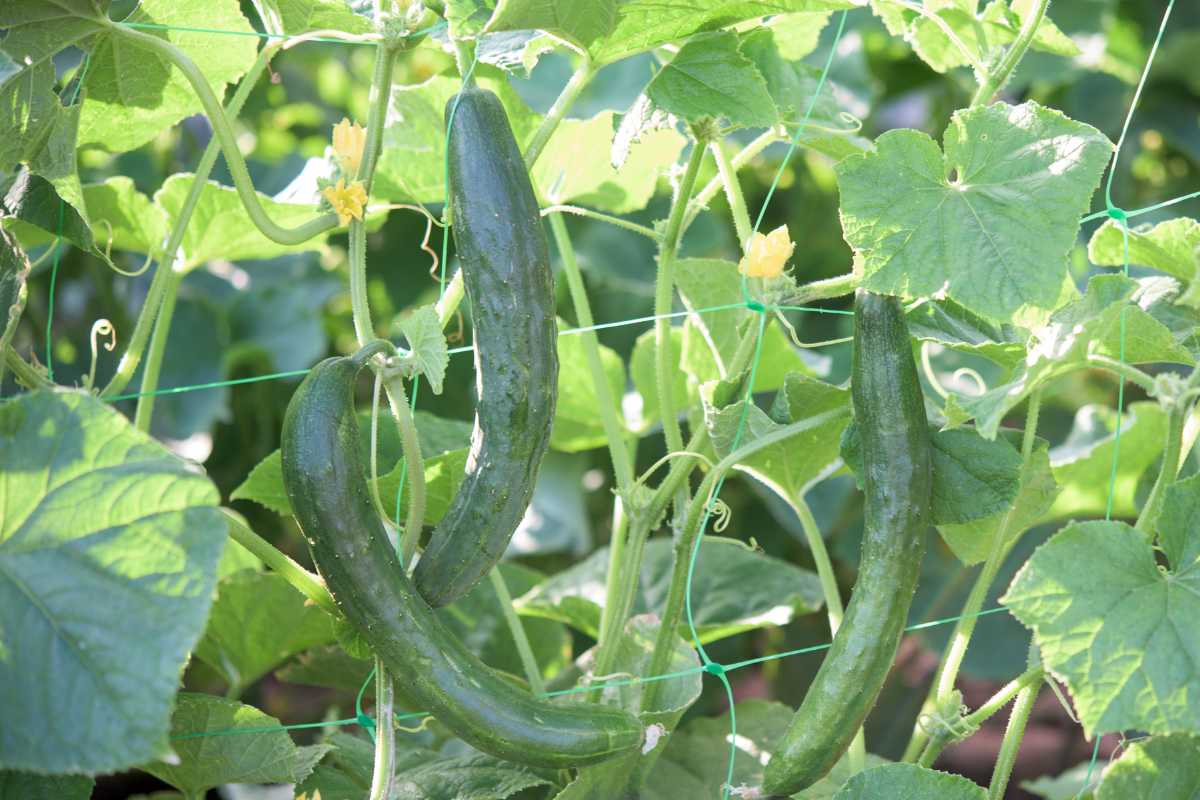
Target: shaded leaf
(1161, 766)
(904, 781)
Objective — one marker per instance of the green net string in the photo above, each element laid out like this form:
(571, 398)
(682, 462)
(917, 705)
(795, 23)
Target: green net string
(720, 671)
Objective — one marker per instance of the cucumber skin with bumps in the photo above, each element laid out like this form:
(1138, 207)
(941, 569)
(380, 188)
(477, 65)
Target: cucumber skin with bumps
(897, 482)
(322, 472)
(505, 261)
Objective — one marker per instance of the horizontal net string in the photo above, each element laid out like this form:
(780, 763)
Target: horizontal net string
(590, 687)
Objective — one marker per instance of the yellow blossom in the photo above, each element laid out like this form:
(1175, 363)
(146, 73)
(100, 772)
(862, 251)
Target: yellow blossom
(348, 201)
(304, 795)
(766, 255)
(348, 141)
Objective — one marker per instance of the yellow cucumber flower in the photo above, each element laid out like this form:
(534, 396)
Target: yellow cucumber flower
(348, 202)
(348, 141)
(766, 255)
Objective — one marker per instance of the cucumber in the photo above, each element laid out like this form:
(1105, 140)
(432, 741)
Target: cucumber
(506, 272)
(897, 482)
(323, 476)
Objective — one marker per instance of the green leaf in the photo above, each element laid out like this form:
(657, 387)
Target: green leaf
(720, 602)
(577, 424)
(904, 781)
(990, 222)
(245, 640)
(29, 107)
(797, 35)
(346, 770)
(973, 478)
(1070, 785)
(1172, 247)
(569, 172)
(1082, 464)
(1092, 325)
(471, 777)
(301, 16)
(972, 541)
(412, 163)
(950, 325)
(28, 786)
(577, 22)
(125, 108)
(427, 345)
(1161, 766)
(709, 78)
(1117, 630)
(1176, 523)
(123, 218)
(646, 24)
(219, 228)
(267, 755)
(108, 552)
(14, 272)
(791, 466)
(790, 84)
(697, 755)
(34, 211)
(264, 485)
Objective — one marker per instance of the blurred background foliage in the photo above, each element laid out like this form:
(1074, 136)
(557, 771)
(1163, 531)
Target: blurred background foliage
(251, 318)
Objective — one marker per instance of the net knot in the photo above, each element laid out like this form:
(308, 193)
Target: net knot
(713, 668)
(1119, 214)
(754, 305)
(366, 721)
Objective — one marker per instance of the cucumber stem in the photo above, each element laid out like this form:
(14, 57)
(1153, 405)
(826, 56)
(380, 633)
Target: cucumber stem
(158, 348)
(739, 160)
(1177, 416)
(733, 193)
(24, 371)
(305, 582)
(1013, 734)
(160, 284)
(223, 131)
(600, 216)
(566, 98)
(384, 773)
(1012, 57)
(1027, 680)
(533, 673)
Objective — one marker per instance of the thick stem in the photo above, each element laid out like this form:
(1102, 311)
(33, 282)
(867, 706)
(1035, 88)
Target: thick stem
(664, 293)
(733, 193)
(1011, 744)
(964, 628)
(158, 349)
(600, 216)
(827, 289)
(673, 613)
(1030, 679)
(554, 116)
(308, 584)
(451, 298)
(381, 87)
(162, 277)
(614, 589)
(24, 372)
(1012, 57)
(223, 131)
(1126, 371)
(384, 774)
(533, 673)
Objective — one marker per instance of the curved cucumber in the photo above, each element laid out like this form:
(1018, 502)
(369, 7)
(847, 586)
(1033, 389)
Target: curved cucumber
(890, 411)
(323, 475)
(506, 272)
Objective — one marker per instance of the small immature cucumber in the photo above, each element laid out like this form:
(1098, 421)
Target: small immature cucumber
(897, 482)
(506, 272)
(323, 475)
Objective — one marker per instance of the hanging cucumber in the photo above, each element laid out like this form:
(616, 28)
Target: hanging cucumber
(506, 271)
(323, 475)
(890, 412)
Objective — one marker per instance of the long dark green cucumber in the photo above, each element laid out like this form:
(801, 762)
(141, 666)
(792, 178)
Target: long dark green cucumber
(323, 475)
(897, 482)
(506, 272)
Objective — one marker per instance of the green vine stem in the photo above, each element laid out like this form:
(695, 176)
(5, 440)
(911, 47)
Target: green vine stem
(1028, 680)
(619, 222)
(1013, 734)
(1012, 57)
(664, 294)
(160, 284)
(696, 514)
(158, 347)
(223, 131)
(827, 289)
(308, 584)
(24, 371)
(384, 774)
(739, 160)
(533, 673)
(1147, 521)
(964, 628)
(733, 193)
(541, 137)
